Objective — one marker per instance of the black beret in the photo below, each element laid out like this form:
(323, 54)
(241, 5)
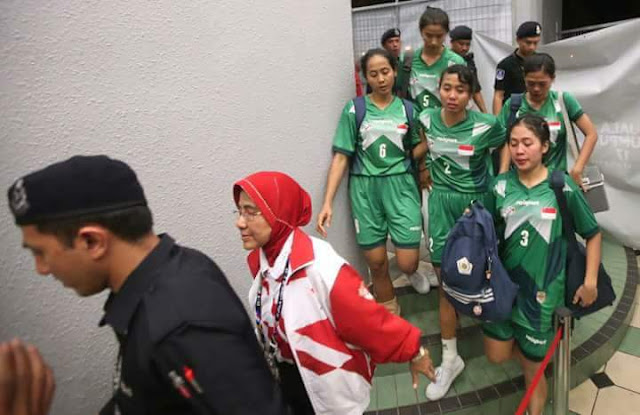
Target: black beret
(461, 33)
(529, 29)
(394, 32)
(79, 186)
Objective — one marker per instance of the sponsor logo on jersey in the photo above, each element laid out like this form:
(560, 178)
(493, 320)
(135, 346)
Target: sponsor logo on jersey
(500, 74)
(466, 150)
(443, 139)
(415, 228)
(534, 340)
(527, 203)
(548, 213)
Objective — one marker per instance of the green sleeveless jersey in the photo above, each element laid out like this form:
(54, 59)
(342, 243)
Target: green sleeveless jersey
(381, 146)
(550, 111)
(458, 155)
(532, 247)
(424, 79)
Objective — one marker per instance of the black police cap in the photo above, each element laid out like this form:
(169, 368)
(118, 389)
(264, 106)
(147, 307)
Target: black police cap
(529, 29)
(79, 186)
(394, 32)
(461, 33)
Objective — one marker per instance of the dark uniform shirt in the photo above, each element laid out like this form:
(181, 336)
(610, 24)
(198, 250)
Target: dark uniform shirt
(471, 64)
(186, 343)
(510, 76)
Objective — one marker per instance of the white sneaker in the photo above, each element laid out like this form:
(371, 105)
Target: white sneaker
(420, 282)
(432, 277)
(445, 375)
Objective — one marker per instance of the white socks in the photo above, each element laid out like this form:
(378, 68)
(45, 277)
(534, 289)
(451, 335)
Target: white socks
(449, 350)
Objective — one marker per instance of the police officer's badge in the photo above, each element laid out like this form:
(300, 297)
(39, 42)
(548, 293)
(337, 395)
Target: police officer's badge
(500, 74)
(18, 199)
(464, 266)
(538, 29)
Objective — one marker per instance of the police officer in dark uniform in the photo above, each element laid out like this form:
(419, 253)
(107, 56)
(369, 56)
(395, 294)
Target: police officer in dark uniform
(186, 343)
(510, 73)
(392, 43)
(460, 38)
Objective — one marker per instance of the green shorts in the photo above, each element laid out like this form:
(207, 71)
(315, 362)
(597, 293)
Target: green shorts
(445, 207)
(386, 205)
(533, 344)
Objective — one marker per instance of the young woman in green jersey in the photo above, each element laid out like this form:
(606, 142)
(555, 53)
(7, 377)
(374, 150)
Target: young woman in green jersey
(458, 142)
(383, 191)
(431, 59)
(539, 74)
(533, 251)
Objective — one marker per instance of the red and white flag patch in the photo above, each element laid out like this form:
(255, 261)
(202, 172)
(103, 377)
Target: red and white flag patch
(465, 150)
(402, 128)
(548, 213)
(554, 125)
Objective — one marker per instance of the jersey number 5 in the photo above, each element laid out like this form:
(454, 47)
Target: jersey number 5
(425, 101)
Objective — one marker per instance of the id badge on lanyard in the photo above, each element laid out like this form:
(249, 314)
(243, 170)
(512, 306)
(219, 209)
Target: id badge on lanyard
(269, 345)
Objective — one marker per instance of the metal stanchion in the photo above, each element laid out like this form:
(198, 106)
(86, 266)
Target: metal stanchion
(562, 362)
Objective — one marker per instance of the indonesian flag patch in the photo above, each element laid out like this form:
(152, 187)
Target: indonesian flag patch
(402, 128)
(554, 125)
(548, 213)
(465, 150)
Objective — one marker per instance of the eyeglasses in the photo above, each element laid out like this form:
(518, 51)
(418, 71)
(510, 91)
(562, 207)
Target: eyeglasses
(247, 214)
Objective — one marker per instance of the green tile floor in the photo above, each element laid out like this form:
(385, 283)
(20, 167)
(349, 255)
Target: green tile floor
(392, 382)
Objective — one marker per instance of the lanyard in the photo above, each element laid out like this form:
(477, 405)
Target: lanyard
(276, 317)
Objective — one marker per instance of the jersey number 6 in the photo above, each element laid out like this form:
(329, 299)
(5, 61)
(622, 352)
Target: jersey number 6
(383, 150)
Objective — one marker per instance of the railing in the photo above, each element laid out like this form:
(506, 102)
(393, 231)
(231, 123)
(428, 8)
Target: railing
(560, 349)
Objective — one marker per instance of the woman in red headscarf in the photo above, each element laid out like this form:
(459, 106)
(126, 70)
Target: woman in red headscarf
(321, 329)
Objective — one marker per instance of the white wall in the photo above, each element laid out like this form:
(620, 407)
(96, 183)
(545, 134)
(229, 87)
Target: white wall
(194, 95)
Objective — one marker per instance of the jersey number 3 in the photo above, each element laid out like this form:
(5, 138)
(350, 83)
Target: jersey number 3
(524, 238)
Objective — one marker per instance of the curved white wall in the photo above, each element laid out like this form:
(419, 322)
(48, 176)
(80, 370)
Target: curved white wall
(193, 95)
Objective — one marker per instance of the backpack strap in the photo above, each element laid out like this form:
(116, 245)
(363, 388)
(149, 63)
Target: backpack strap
(516, 102)
(408, 109)
(361, 110)
(572, 141)
(403, 87)
(557, 184)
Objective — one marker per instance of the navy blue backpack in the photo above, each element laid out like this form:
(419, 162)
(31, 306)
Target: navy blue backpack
(473, 277)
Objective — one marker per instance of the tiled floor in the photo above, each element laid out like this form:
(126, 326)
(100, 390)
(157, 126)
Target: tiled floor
(616, 389)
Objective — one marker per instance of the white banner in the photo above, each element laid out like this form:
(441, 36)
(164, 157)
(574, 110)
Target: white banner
(601, 70)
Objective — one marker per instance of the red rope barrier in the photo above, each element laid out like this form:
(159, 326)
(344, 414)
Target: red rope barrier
(539, 373)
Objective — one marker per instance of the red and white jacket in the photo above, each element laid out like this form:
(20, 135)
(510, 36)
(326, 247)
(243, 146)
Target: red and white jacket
(330, 325)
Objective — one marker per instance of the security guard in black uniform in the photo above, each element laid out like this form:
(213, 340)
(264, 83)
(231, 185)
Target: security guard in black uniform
(392, 43)
(510, 72)
(460, 38)
(186, 343)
